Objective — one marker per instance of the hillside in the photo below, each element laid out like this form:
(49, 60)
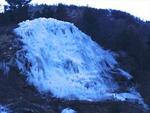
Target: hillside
(127, 36)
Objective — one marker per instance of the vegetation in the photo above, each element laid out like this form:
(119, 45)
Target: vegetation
(17, 3)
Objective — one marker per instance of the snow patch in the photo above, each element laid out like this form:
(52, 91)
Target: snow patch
(3, 109)
(68, 110)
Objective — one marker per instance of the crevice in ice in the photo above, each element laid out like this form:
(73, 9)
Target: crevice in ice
(70, 67)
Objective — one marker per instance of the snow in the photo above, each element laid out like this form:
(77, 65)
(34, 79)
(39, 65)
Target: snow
(131, 97)
(3, 109)
(123, 73)
(68, 110)
(65, 62)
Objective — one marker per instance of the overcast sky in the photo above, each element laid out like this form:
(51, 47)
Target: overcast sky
(139, 8)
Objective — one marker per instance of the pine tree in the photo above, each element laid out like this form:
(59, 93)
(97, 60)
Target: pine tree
(17, 10)
(14, 4)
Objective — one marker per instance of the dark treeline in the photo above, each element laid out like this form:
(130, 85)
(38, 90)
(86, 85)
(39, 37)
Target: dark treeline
(115, 30)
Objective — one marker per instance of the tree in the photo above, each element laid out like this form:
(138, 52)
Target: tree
(91, 23)
(61, 12)
(17, 10)
(17, 3)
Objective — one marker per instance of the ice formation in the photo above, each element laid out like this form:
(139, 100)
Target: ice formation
(3, 109)
(59, 59)
(68, 110)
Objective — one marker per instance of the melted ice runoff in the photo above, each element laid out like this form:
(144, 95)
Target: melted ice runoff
(66, 63)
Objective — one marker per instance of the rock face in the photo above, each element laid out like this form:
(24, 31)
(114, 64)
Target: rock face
(60, 60)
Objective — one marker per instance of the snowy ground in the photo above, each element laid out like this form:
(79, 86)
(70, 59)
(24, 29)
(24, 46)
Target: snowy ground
(3, 109)
(68, 110)
(66, 63)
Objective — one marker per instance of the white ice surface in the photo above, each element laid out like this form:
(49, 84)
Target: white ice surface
(125, 74)
(3, 109)
(68, 110)
(66, 62)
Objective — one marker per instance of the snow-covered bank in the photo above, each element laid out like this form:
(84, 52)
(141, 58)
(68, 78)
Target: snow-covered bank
(66, 63)
(3, 109)
(68, 110)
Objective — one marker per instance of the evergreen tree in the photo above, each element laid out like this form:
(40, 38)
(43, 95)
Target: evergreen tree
(17, 10)
(17, 3)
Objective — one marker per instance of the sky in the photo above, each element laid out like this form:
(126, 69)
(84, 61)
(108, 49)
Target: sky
(139, 8)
